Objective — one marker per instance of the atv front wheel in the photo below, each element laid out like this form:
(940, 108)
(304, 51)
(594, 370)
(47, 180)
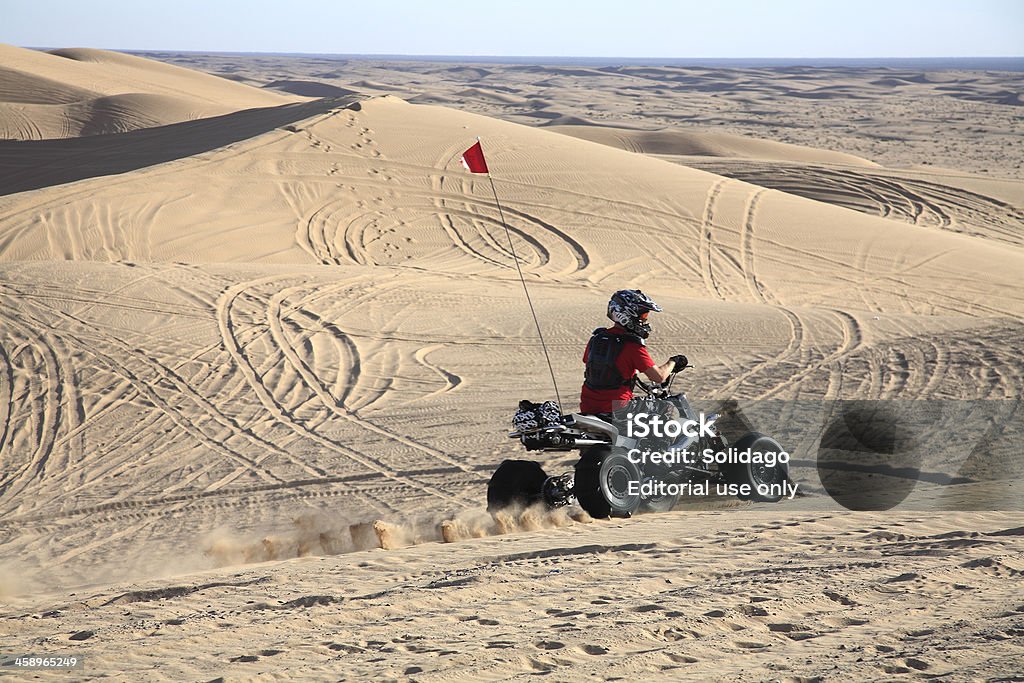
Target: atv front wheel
(602, 483)
(515, 483)
(662, 503)
(756, 475)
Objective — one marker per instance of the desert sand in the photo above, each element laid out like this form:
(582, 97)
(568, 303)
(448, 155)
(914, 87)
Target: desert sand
(925, 115)
(259, 351)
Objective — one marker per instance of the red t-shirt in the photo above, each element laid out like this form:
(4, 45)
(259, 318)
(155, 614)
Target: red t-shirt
(632, 359)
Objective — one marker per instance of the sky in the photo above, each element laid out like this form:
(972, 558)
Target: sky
(554, 28)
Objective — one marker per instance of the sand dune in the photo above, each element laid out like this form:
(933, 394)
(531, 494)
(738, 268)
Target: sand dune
(309, 88)
(334, 208)
(927, 197)
(369, 232)
(256, 369)
(679, 143)
(75, 92)
(31, 164)
(475, 94)
(94, 116)
(887, 115)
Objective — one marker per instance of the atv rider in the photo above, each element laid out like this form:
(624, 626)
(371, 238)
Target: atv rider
(615, 354)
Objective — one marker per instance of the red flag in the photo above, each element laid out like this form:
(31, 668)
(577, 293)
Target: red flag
(473, 159)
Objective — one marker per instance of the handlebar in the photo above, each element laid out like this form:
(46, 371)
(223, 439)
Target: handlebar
(651, 387)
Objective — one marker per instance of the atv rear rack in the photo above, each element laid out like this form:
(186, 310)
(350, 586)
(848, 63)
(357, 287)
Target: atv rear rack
(576, 431)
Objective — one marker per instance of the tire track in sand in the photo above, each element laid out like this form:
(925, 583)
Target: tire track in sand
(252, 495)
(340, 231)
(464, 197)
(48, 416)
(852, 341)
(757, 289)
(451, 380)
(705, 241)
(924, 202)
(793, 351)
(344, 337)
(164, 388)
(6, 396)
(281, 414)
(312, 382)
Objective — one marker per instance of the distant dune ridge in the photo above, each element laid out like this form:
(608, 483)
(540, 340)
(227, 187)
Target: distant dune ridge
(679, 143)
(291, 332)
(74, 92)
(309, 88)
(887, 111)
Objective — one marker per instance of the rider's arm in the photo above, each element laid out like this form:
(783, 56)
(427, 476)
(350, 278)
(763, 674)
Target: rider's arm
(660, 373)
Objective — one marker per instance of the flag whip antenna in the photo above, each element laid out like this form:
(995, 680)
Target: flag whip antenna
(512, 248)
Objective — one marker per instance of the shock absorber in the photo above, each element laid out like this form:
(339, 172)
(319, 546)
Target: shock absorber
(557, 490)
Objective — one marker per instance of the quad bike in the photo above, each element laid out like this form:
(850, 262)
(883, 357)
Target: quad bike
(600, 481)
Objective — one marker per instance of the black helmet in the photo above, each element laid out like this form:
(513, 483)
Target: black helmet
(628, 306)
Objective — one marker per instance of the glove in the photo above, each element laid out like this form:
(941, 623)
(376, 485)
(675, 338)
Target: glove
(680, 363)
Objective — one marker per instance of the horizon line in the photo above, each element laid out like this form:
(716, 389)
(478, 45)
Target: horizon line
(435, 56)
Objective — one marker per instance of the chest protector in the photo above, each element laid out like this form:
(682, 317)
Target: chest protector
(605, 347)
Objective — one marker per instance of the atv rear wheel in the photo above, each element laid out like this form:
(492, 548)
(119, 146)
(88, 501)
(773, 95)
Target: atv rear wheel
(602, 483)
(515, 483)
(758, 474)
